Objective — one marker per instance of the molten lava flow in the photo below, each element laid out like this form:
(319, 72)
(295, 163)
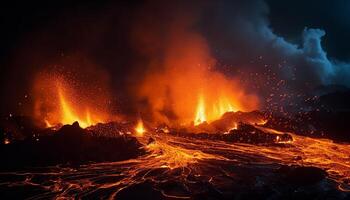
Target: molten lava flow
(172, 156)
(140, 129)
(262, 122)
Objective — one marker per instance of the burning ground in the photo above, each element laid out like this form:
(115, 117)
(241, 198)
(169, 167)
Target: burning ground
(136, 160)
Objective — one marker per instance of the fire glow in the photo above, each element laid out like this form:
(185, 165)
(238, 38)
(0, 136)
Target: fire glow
(190, 87)
(68, 116)
(204, 114)
(140, 129)
(58, 103)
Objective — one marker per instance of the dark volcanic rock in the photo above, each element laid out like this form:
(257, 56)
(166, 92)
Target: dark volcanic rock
(140, 191)
(326, 115)
(227, 121)
(301, 176)
(337, 100)
(70, 144)
(249, 134)
(244, 133)
(323, 123)
(13, 128)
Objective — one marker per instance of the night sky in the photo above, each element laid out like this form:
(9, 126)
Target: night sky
(35, 35)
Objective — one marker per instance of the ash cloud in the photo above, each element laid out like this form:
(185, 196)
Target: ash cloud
(241, 37)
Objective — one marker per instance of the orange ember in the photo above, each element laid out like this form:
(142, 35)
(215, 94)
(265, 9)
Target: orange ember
(58, 102)
(69, 115)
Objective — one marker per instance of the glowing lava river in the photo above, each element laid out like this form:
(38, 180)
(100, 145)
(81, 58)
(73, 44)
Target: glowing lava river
(176, 167)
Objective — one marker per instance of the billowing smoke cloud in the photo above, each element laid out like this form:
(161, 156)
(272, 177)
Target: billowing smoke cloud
(241, 38)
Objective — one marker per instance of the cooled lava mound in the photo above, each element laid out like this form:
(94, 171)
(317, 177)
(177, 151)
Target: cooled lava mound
(68, 145)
